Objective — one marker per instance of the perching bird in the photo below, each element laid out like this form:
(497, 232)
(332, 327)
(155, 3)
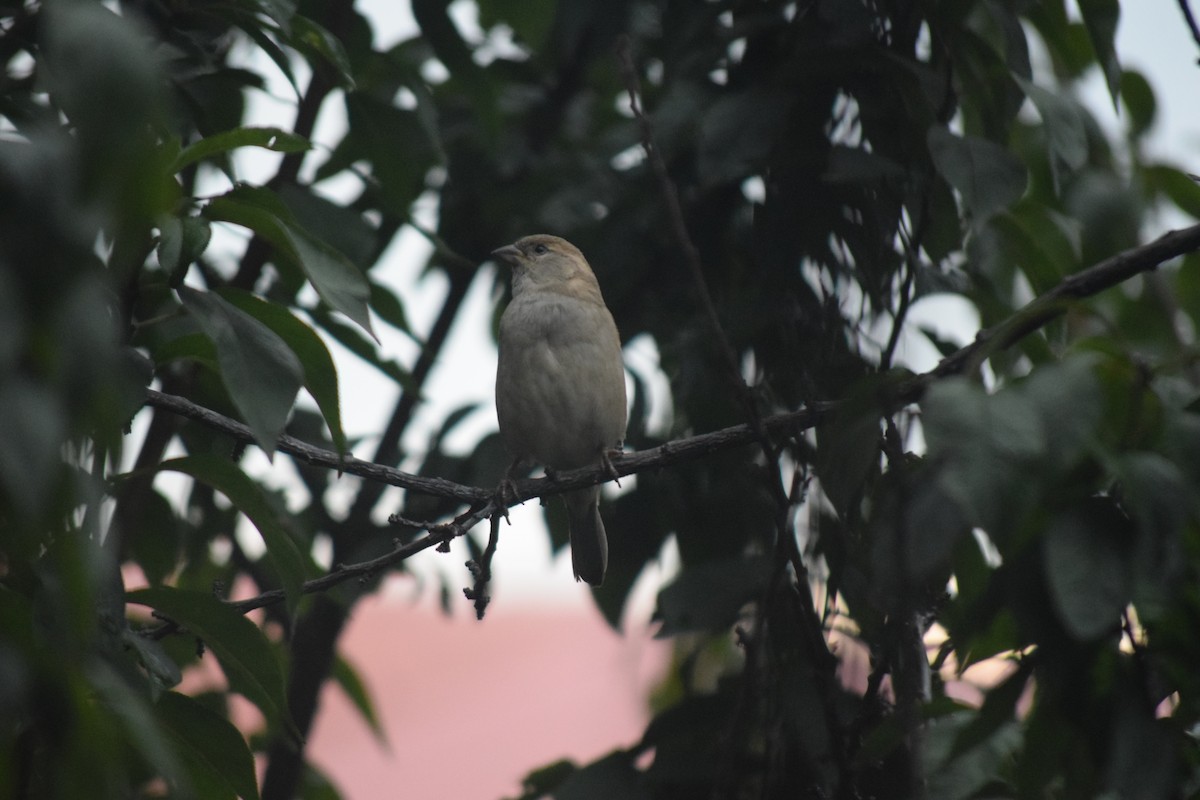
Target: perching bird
(560, 384)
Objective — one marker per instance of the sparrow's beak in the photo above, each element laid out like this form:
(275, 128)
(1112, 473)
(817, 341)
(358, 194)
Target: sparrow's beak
(509, 254)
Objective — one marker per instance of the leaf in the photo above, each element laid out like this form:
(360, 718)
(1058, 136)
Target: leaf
(339, 283)
(181, 241)
(1100, 17)
(29, 458)
(309, 35)
(1180, 188)
(1138, 98)
(964, 775)
(254, 29)
(988, 176)
(531, 20)
(708, 597)
(259, 370)
(246, 657)
(246, 495)
(101, 73)
(154, 545)
(212, 749)
(389, 308)
(161, 667)
(194, 346)
(130, 709)
(348, 678)
(848, 448)
(612, 776)
(320, 373)
(275, 139)
(1084, 556)
(1066, 134)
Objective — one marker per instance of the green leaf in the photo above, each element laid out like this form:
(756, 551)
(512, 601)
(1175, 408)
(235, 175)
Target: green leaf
(191, 346)
(353, 340)
(530, 20)
(612, 776)
(130, 709)
(254, 29)
(848, 448)
(259, 370)
(1138, 98)
(212, 749)
(1100, 17)
(388, 307)
(988, 176)
(276, 139)
(246, 657)
(29, 459)
(320, 373)
(964, 775)
(339, 283)
(161, 667)
(1084, 552)
(1181, 188)
(1066, 134)
(100, 72)
(246, 495)
(181, 241)
(348, 678)
(309, 35)
(707, 597)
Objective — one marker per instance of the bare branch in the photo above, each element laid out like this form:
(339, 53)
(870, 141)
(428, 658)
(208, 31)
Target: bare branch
(318, 457)
(683, 239)
(1044, 308)
(1186, 8)
(484, 503)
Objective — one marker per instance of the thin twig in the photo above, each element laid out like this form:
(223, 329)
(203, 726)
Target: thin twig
(691, 254)
(666, 454)
(439, 535)
(1106, 274)
(481, 570)
(1186, 8)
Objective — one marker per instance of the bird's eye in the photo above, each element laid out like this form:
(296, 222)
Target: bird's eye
(540, 248)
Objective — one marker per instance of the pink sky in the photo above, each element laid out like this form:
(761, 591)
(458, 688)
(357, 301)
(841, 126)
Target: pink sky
(471, 707)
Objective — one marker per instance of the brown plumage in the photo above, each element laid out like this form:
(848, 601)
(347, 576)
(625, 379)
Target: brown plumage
(560, 384)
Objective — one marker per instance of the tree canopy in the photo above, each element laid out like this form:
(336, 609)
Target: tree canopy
(765, 189)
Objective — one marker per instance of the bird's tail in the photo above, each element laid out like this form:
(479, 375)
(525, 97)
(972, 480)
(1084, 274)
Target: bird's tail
(589, 544)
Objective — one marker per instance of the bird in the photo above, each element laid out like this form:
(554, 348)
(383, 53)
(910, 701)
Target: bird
(560, 380)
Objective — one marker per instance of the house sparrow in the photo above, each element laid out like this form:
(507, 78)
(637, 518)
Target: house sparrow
(560, 384)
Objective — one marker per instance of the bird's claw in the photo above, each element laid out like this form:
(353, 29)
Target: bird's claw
(606, 457)
(506, 495)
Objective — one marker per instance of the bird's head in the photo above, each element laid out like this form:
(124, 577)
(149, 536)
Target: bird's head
(547, 262)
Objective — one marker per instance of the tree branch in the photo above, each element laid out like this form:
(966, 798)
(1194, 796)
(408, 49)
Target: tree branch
(1044, 308)
(1186, 8)
(483, 503)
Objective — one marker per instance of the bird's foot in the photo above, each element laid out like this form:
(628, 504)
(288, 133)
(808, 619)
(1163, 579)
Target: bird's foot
(506, 495)
(606, 457)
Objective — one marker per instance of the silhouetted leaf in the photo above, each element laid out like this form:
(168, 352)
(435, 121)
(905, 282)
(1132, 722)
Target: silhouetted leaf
(988, 176)
(708, 597)
(320, 373)
(213, 750)
(352, 684)
(338, 282)
(246, 495)
(1085, 553)
(260, 371)
(1100, 17)
(245, 654)
(275, 139)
